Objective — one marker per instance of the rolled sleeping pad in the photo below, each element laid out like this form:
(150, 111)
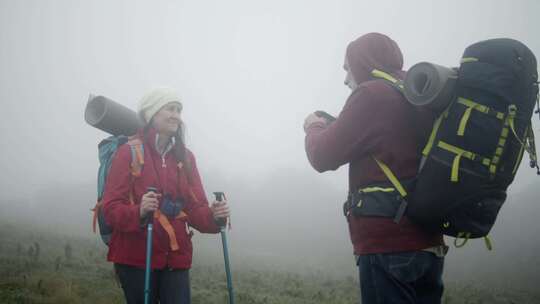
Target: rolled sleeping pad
(430, 85)
(111, 117)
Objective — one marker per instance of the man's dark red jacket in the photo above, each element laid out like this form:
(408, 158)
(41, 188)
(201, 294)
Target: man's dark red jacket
(375, 121)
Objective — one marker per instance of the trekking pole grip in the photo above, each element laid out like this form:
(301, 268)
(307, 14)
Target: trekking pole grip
(148, 217)
(222, 222)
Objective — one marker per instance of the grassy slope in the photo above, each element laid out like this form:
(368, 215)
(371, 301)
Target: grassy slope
(87, 278)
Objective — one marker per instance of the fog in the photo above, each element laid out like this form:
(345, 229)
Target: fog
(248, 73)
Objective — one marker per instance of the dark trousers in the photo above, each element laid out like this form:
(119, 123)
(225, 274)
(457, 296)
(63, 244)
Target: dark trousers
(396, 278)
(167, 286)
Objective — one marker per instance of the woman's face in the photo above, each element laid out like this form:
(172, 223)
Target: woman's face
(167, 119)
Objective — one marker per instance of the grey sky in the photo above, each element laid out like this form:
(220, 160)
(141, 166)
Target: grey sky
(248, 71)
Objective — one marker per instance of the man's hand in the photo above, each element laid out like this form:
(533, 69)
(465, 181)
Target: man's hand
(311, 119)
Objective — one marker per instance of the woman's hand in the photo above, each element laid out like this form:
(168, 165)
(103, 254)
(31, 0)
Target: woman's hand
(220, 210)
(149, 203)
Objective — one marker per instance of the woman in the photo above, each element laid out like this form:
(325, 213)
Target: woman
(154, 178)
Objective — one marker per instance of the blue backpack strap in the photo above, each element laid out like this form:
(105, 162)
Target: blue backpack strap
(107, 148)
(106, 151)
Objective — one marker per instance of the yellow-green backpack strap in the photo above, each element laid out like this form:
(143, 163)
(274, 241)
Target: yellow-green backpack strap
(532, 150)
(434, 130)
(465, 238)
(489, 246)
(397, 83)
(399, 187)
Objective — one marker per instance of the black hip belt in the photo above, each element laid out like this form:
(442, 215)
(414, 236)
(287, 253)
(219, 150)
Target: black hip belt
(377, 200)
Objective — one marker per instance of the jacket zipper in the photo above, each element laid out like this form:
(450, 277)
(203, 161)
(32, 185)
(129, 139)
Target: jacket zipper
(164, 165)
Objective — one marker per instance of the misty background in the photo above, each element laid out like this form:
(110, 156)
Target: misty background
(248, 73)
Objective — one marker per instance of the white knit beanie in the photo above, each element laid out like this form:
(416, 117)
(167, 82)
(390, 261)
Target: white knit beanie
(154, 100)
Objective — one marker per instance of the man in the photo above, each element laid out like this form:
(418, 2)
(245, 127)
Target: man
(398, 261)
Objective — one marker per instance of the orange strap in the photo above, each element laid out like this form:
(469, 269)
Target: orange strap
(138, 160)
(137, 163)
(182, 216)
(140, 157)
(162, 219)
(99, 205)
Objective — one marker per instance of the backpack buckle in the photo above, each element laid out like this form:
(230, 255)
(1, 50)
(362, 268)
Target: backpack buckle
(401, 209)
(348, 204)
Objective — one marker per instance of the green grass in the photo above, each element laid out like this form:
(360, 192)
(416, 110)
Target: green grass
(84, 276)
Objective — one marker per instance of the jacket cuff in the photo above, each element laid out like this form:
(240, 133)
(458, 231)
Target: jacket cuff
(133, 220)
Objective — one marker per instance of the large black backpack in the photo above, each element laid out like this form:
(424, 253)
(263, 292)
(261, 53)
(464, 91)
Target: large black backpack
(477, 142)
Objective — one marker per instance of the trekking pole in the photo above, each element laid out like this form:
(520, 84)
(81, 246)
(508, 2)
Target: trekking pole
(222, 225)
(148, 270)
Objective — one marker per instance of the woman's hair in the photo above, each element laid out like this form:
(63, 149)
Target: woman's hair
(179, 150)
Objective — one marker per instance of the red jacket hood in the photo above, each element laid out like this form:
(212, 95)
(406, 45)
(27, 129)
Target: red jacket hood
(373, 51)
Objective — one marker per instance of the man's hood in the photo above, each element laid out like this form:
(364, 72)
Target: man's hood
(373, 51)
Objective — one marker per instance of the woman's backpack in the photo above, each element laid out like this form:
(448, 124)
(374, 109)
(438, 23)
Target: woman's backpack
(107, 149)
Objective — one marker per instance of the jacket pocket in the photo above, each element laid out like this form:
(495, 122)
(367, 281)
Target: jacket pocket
(407, 266)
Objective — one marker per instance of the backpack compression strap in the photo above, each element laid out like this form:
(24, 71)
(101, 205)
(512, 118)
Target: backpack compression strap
(398, 85)
(399, 187)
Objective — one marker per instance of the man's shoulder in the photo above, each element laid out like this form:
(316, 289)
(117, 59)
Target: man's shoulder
(374, 92)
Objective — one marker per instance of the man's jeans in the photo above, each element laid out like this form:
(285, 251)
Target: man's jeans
(405, 277)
